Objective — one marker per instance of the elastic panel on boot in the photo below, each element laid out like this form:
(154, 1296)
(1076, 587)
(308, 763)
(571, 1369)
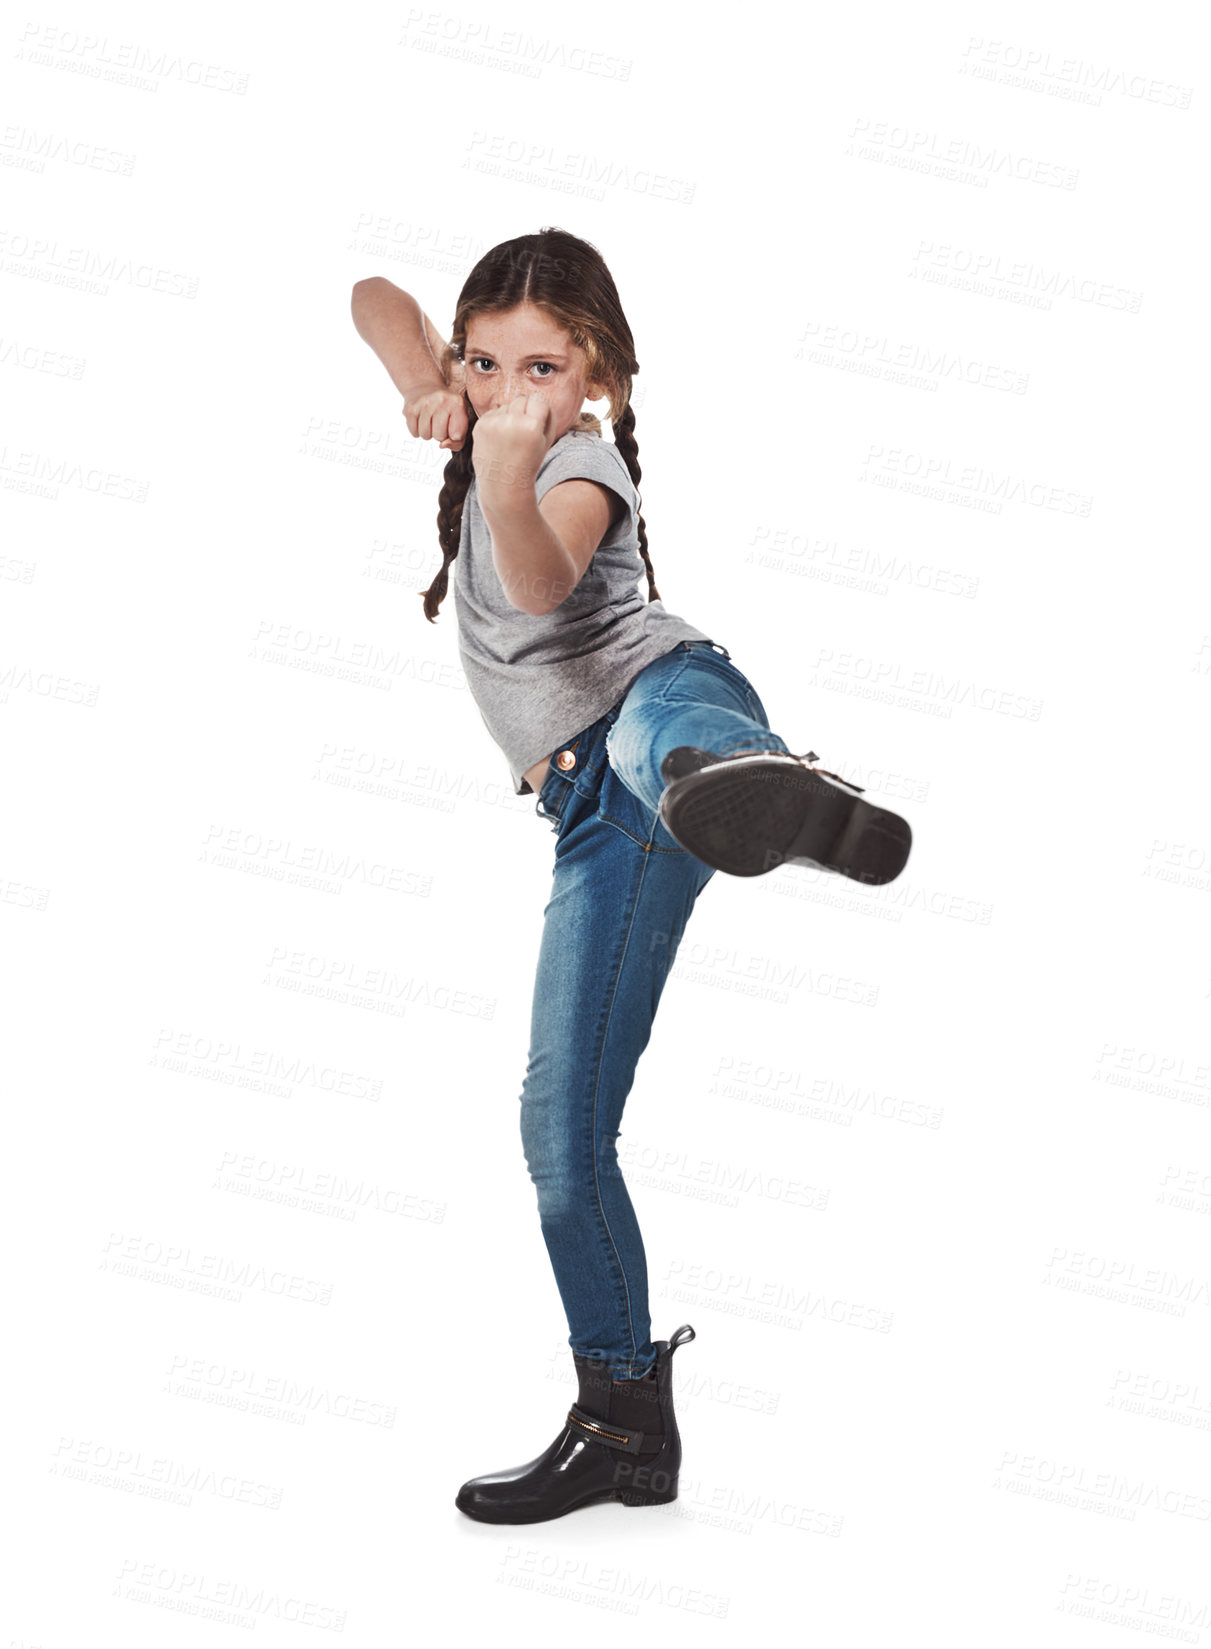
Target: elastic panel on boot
(593, 1376)
(635, 1406)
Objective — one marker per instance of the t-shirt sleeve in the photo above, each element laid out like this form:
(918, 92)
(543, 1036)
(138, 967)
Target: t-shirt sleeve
(592, 458)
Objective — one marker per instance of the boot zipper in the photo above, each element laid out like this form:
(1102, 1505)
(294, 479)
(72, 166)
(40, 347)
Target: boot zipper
(619, 1437)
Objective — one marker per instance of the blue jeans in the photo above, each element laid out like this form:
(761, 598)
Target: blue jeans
(622, 893)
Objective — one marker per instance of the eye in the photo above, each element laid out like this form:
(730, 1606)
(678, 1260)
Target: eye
(477, 358)
(546, 364)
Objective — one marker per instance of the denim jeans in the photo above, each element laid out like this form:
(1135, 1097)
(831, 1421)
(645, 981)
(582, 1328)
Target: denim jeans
(622, 893)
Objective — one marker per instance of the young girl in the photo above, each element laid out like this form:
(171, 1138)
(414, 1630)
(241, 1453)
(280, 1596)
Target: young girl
(652, 758)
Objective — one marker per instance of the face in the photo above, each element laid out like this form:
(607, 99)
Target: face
(519, 352)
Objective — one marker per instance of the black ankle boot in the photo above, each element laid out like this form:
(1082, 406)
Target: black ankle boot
(619, 1442)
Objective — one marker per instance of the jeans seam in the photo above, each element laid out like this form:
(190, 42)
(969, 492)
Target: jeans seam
(649, 844)
(596, 1089)
(664, 695)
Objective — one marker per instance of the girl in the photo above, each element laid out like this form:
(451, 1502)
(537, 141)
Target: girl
(651, 757)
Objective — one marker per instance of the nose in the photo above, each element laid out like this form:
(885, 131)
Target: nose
(508, 389)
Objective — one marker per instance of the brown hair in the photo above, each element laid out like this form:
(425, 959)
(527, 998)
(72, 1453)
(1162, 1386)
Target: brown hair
(568, 279)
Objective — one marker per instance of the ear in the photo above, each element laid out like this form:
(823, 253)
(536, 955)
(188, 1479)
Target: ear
(595, 392)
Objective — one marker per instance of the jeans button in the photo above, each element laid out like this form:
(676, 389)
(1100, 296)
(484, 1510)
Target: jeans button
(566, 759)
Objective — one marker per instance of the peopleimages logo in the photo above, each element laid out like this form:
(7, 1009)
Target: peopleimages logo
(478, 40)
(924, 366)
(886, 678)
(941, 471)
(1069, 77)
(919, 149)
(964, 266)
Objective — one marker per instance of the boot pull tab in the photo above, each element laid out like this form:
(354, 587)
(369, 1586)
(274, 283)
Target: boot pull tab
(682, 1337)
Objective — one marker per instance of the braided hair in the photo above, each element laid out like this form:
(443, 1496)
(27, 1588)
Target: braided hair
(568, 278)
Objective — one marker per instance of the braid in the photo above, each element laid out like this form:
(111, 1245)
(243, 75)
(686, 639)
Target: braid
(456, 483)
(624, 440)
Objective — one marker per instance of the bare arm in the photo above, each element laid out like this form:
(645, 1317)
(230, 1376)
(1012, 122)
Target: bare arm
(541, 551)
(403, 337)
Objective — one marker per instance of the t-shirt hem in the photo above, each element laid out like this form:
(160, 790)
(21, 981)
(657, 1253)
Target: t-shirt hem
(592, 710)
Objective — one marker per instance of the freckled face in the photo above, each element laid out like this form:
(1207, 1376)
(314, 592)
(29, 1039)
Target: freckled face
(519, 352)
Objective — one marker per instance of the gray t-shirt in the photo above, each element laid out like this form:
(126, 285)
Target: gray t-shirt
(540, 680)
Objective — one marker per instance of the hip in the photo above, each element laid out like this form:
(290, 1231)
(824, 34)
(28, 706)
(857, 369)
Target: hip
(576, 764)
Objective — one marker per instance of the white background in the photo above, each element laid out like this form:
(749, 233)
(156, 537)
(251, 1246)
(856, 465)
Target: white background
(918, 301)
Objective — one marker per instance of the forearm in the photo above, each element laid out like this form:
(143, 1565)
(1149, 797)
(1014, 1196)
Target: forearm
(531, 560)
(400, 334)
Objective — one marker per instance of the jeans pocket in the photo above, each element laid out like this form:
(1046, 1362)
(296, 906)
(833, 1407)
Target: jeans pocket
(619, 806)
(715, 658)
(729, 668)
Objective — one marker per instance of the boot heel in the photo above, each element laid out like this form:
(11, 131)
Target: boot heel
(647, 1497)
(874, 847)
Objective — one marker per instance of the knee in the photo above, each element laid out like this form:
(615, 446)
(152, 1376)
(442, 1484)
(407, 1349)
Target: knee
(549, 1159)
(608, 1166)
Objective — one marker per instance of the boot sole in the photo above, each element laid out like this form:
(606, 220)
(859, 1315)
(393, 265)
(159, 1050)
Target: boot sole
(753, 814)
(628, 1497)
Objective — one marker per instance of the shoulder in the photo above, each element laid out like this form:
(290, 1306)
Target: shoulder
(584, 457)
(572, 443)
(579, 453)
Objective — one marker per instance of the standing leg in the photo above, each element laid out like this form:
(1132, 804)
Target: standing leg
(622, 893)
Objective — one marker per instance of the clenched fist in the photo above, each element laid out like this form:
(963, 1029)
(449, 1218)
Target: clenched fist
(511, 442)
(437, 415)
